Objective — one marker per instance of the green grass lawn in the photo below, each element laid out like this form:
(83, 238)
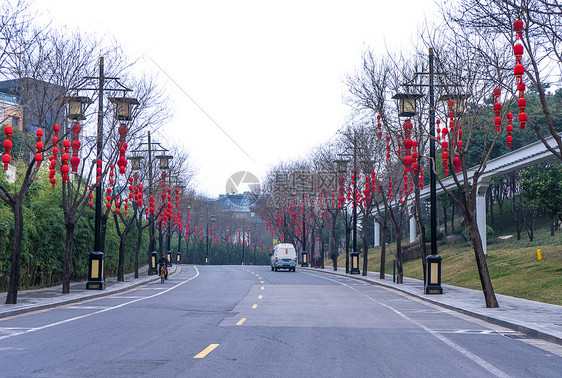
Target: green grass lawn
(513, 265)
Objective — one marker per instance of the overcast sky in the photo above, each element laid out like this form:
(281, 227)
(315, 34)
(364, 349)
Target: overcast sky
(252, 82)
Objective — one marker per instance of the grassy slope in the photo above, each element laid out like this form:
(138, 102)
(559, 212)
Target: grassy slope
(513, 266)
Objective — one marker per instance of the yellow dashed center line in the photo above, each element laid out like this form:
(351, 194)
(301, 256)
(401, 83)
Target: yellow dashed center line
(261, 281)
(241, 321)
(260, 296)
(206, 351)
(255, 306)
(262, 288)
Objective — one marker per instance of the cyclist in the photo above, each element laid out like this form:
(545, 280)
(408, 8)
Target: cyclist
(162, 261)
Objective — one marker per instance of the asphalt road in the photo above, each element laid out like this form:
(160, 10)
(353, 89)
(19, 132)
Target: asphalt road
(243, 321)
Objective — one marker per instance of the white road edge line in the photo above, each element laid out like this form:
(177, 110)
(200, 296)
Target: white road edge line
(100, 311)
(486, 365)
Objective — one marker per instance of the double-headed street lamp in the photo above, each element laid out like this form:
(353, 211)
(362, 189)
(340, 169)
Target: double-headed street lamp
(248, 229)
(407, 107)
(76, 108)
(179, 193)
(164, 162)
(213, 219)
(136, 165)
(341, 168)
(354, 256)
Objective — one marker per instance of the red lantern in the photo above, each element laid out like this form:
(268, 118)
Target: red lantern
(518, 28)
(457, 162)
(509, 129)
(6, 158)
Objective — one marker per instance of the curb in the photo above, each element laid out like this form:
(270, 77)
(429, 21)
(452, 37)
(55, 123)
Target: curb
(100, 294)
(534, 333)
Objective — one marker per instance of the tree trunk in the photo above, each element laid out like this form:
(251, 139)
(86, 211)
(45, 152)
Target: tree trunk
(365, 245)
(333, 244)
(121, 264)
(490, 204)
(485, 280)
(12, 294)
(137, 249)
(453, 219)
(398, 255)
(67, 268)
(445, 220)
(322, 250)
(383, 251)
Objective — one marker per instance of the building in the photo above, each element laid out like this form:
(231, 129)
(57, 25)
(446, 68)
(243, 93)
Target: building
(41, 103)
(235, 202)
(11, 112)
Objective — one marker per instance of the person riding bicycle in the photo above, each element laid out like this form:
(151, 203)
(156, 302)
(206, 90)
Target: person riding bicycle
(162, 264)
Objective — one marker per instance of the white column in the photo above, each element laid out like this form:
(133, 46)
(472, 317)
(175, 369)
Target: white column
(413, 229)
(377, 234)
(481, 214)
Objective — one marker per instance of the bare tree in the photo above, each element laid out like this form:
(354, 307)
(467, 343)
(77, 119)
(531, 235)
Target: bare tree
(541, 37)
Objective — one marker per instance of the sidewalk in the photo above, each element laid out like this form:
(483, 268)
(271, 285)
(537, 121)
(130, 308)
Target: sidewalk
(33, 300)
(536, 319)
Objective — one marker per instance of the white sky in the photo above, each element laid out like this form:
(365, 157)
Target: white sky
(269, 73)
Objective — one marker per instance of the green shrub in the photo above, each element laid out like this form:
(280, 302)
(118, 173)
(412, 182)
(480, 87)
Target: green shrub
(440, 235)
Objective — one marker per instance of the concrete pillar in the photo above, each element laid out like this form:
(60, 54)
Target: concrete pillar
(413, 229)
(481, 213)
(377, 234)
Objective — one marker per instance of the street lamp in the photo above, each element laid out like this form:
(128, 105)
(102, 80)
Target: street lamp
(407, 103)
(187, 231)
(243, 246)
(135, 162)
(433, 266)
(76, 109)
(164, 161)
(123, 107)
(457, 104)
(213, 219)
(152, 147)
(179, 193)
(341, 166)
(355, 254)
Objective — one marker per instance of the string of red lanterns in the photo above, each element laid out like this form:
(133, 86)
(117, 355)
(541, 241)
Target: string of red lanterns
(75, 160)
(519, 70)
(6, 158)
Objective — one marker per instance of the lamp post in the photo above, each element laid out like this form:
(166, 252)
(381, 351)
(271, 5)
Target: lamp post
(341, 166)
(76, 108)
(213, 219)
(355, 254)
(187, 231)
(152, 147)
(243, 246)
(179, 193)
(304, 261)
(164, 161)
(407, 108)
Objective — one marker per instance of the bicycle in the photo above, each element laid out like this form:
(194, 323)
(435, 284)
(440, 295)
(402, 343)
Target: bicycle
(162, 274)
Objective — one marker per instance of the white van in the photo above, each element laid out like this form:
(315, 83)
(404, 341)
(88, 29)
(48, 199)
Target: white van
(284, 256)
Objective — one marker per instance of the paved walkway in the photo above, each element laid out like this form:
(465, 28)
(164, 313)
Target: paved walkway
(536, 319)
(33, 300)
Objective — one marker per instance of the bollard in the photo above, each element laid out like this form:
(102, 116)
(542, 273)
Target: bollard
(394, 271)
(539, 254)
